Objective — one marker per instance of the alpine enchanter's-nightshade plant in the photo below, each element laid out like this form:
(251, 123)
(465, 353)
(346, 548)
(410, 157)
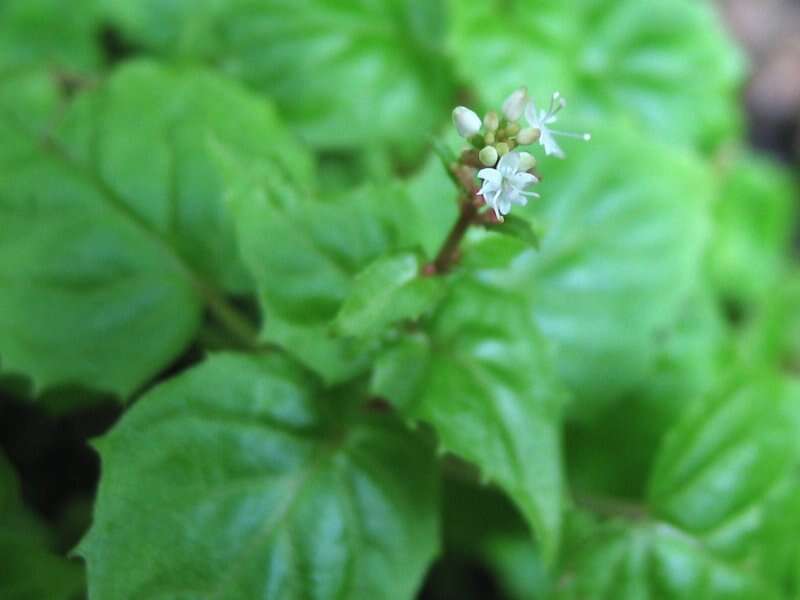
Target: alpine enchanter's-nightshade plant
(495, 159)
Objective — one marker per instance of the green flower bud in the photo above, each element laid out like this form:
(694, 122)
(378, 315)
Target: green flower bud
(502, 148)
(529, 135)
(488, 156)
(491, 121)
(526, 161)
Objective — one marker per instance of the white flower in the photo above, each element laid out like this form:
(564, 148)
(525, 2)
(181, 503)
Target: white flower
(467, 122)
(514, 105)
(506, 185)
(542, 119)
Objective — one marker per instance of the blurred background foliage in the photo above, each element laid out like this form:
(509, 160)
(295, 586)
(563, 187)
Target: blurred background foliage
(668, 266)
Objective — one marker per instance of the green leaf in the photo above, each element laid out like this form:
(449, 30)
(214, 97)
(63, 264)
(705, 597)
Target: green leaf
(773, 337)
(519, 228)
(304, 253)
(643, 561)
(666, 67)
(343, 72)
(31, 570)
(692, 356)
(517, 565)
(388, 290)
(754, 217)
(728, 466)
(238, 479)
(625, 223)
(114, 224)
(434, 196)
(41, 32)
(481, 375)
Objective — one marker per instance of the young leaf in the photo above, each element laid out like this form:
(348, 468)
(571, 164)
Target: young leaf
(653, 561)
(482, 376)
(388, 290)
(519, 228)
(667, 67)
(304, 253)
(344, 73)
(30, 569)
(238, 479)
(114, 235)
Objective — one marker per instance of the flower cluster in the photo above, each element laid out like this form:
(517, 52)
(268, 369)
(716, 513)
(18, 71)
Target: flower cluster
(508, 172)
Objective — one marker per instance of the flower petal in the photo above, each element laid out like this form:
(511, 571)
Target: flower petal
(550, 145)
(532, 115)
(520, 200)
(523, 180)
(493, 177)
(504, 205)
(509, 164)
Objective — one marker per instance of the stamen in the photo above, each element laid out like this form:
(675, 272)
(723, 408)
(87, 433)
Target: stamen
(579, 136)
(556, 104)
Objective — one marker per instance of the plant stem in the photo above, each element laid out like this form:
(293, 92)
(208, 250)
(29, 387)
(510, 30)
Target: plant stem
(449, 250)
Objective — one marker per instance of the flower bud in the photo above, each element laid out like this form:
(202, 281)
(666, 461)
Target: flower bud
(488, 156)
(503, 148)
(529, 135)
(466, 121)
(526, 161)
(489, 138)
(515, 104)
(491, 121)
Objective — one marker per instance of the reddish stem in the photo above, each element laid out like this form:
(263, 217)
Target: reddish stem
(449, 251)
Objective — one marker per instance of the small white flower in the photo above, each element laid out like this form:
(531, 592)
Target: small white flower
(505, 185)
(514, 105)
(542, 119)
(467, 122)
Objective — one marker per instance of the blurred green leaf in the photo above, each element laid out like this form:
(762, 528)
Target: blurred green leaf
(613, 453)
(114, 230)
(773, 336)
(664, 66)
(625, 229)
(727, 471)
(517, 564)
(30, 569)
(343, 72)
(481, 375)
(238, 479)
(388, 290)
(621, 251)
(42, 33)
(644, 561)
(434, 196)
(755, 219)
